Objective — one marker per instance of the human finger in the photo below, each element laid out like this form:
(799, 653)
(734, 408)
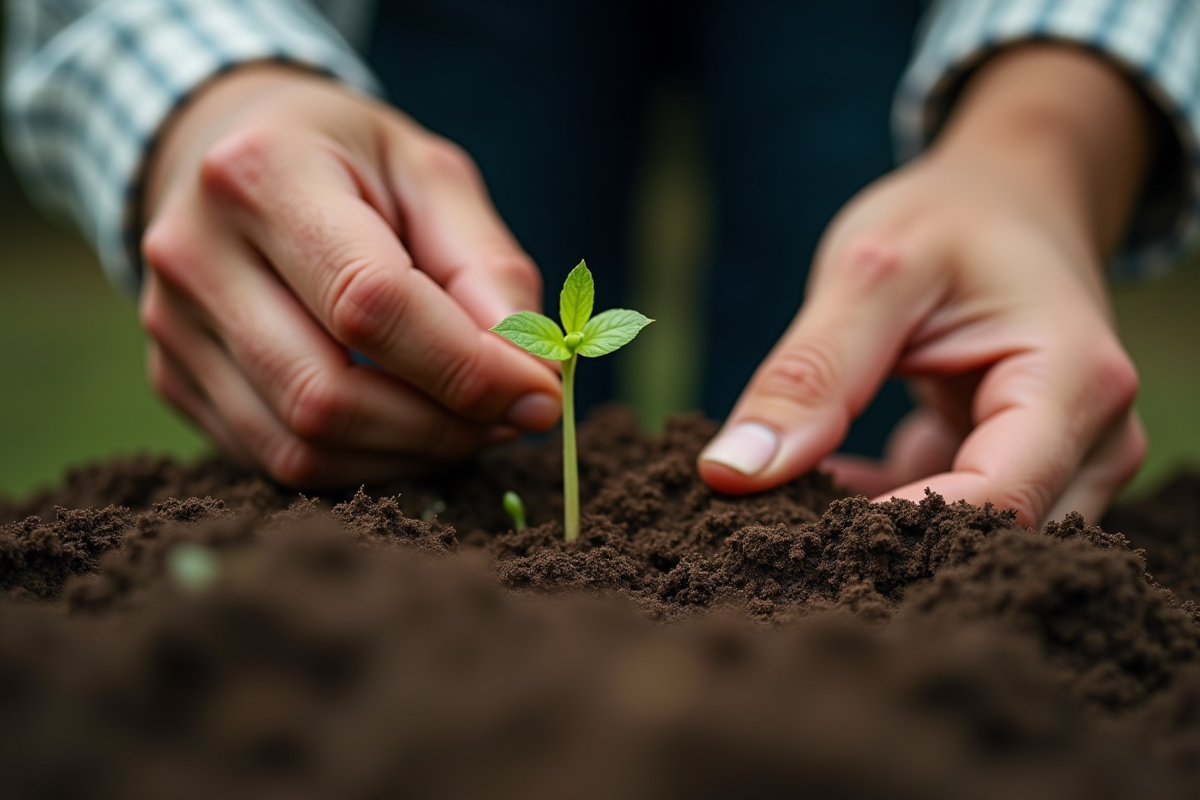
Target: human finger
(1038, 415)
(798, 406)
(305, 214)
(452, 229)
(284, 456)
(196, 373)
(168, 377)
(1106, 469)
(303, 376)
(171, 380)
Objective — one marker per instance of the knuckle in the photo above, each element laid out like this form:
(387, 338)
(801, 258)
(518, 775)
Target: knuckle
(804, 373)
(364, 305)
(516, 269)
(868, 262)
(441, 156)
(1117, 376)
(236, 164)
(170, 249)
(314, 408)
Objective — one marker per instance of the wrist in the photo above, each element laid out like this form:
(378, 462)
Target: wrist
(1060, 127)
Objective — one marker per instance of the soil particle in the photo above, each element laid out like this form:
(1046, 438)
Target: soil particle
(403, 640)
(1117, 635)
(36, 558)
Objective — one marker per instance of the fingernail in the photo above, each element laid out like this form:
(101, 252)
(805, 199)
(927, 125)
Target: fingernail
(747, 447)
(534, 411)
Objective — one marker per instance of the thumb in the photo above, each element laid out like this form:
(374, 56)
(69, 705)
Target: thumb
(455, 234)
(861, 308)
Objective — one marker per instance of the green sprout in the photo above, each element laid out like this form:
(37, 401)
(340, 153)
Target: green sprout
(193, 566)
(514, 506)
(431, 511)
(585, 336)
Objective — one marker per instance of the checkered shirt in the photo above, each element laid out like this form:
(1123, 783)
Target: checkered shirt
(89, 84)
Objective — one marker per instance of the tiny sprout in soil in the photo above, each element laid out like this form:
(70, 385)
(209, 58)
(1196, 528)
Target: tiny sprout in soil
(194, 567)
(514, 506)
(431, 511)
(584, 335)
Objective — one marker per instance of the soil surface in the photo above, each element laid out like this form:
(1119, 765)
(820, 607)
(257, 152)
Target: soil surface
(190, 630)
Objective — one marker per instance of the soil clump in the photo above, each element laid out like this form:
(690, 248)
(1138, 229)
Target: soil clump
(402, 640)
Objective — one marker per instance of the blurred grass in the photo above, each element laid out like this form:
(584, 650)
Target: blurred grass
(71, 381)
(72, 387)
(1160, 325)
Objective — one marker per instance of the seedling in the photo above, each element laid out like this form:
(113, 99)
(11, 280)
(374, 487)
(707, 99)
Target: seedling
(584, 335)
(431, 511)
(193, 566)
(514, 506)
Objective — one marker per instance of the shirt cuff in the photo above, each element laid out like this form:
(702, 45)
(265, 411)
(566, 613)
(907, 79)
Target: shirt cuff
(90, 103)
(1154, 42)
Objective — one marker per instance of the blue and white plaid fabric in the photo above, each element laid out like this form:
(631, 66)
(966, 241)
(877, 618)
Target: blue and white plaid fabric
(90, 82)
(1155, 42)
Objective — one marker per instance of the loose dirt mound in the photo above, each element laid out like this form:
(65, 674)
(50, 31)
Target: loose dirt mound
(402, 641)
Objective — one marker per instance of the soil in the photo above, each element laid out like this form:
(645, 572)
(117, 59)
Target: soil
(402, 640)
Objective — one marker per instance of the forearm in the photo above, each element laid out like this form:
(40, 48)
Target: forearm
(88, 88)
(1065, 127)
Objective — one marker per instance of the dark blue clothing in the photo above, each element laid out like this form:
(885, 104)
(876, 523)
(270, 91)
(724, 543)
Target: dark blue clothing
(550, 98)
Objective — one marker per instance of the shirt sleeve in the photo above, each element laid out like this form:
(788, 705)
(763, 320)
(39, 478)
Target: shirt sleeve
(1155, 42)
(89, 83)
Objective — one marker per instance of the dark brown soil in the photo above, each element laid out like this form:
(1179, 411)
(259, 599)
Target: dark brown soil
(402, 641)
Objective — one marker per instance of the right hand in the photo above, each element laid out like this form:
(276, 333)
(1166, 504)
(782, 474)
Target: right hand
(290, 221)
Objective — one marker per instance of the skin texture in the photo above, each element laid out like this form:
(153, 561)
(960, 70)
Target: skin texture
(975, 271)
(289, 222)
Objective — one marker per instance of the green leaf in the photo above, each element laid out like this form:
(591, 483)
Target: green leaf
(533, 332)
(578, 295)
(610, 330)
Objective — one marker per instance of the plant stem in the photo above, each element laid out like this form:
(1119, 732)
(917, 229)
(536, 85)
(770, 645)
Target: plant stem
(570, 464)
(514, 506)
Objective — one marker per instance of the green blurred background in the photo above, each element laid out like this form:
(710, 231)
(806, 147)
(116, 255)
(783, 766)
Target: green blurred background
(72, 386)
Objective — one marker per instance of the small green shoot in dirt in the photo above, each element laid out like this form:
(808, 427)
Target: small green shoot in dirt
(584, 335)
(514, 506)
(193, 566)
(431, 511)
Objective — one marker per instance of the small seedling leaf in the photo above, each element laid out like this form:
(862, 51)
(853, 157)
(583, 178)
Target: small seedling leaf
(538, 334)
(514, 506)
(578, 295)
(194, 567)
(610, 330)
(584, 335)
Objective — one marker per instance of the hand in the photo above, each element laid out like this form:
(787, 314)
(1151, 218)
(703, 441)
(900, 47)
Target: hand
(290, 221)
(975, 271)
